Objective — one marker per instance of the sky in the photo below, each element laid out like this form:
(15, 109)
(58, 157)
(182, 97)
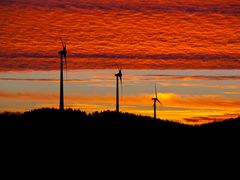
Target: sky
(154, 34)
(189, 48)
(189, 96)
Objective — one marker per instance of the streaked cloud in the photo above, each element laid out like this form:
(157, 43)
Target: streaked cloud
(168, 99)
(209, 119)
(189, 77)
(201, 101)
(217, 86)
(43, 80)
(232, 93)
(29, 64)
(138, 34)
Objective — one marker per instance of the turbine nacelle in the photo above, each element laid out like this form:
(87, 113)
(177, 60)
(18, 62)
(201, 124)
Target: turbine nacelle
(119, 74)
(156, 100)
(62, 52)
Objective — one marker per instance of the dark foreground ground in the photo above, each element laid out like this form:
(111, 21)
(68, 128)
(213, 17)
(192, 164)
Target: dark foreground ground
(47, 118)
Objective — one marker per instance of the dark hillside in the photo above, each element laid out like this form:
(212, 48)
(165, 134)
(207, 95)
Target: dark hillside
(75, 119)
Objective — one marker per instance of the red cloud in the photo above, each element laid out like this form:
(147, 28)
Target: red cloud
(138, 34)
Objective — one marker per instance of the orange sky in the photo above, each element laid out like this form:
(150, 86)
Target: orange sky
(152, 34)
(193, 109)
(193, 97)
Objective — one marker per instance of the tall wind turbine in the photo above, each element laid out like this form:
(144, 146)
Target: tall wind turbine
(63, 54)
(155, 100)
(118, 76)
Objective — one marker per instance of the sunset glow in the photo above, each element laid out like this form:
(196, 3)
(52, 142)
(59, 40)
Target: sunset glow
(193, 99)
(189, 48)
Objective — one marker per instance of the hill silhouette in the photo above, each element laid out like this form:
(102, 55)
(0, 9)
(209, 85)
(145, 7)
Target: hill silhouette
(47, 118)
(228, 123)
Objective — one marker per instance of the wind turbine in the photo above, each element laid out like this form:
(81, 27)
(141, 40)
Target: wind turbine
(63, 54)
(155, 100)
(118, 76)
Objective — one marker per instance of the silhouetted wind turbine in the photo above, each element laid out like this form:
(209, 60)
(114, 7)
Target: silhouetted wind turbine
(63, 53)
(118, 76)
(155, 100)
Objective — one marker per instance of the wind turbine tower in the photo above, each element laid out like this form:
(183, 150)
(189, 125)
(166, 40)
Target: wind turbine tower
(118, 77)
(63, 54)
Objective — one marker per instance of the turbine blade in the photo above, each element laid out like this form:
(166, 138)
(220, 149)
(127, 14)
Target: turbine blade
(156, 90)
(159, 101)
(117, 67)
(62, 42)
(65, 45)
(65, 57)
(121, 83)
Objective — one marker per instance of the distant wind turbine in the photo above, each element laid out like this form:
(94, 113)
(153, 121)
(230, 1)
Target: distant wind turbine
(155, 100)
(63, 53)
(118, 76)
